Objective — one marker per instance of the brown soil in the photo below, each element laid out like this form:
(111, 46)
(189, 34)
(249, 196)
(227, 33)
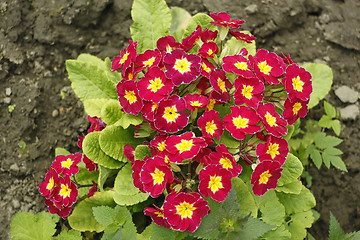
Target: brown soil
(36, 37)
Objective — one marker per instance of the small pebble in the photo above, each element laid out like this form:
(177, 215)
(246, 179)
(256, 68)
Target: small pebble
(8, 91)
(346, 94)
(7, 100)
(251, 9)
(349, 112)
(55, 113)
(14, 167)
(15, 203)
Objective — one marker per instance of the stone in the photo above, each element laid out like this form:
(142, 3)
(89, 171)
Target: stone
(251, 9)
(7, 100)
(55, 113)
(346, 94)
(8, 91)
(16, 203)
(14, 167)
(350, 112)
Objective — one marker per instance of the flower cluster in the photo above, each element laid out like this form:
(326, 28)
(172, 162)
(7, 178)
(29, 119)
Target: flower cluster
(190, 97)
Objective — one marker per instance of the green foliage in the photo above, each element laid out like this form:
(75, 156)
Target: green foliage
(245, 197)
(27, 226)
(84, 177)
(180, 19)
(128, 119)
(93, 106)
(141, 151)
(336, 232)
(295, 203)
(152, 19)
(104, 174)
(201, 19)
(292, 170)
(233, 47)
(61, 151)
(161, 233)
(69, 235)
(111, 112)
(328, 121)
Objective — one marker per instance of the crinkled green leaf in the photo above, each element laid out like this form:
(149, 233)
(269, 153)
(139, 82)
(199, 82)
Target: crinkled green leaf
(336, 161)
(141, 151)
(113, 139)
(125, 191)
(93, 151)
(104, 215)
(91, 59)
(233, 47)
(329, 109)
(291, 187)
(82, 217)
(161, 233)
(298, 224)
(252, 229)
(336, 126)
(93, 106)
(128, 119)
(114, 76)
(295, 203)
(27, 226)
(326, 160)
(152, 19)
(229, 141)
(89, 81)
(315, 155)
(146, 234)
(111, 112)
(292, 169)
(69, 235)
(104, 174)
(279, 233)
(61, 151)
(85, 177)
(180, 19)
(272, 211)
(245, 198)
(322, 79)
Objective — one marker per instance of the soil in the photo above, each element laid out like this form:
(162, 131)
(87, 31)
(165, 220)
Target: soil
(39, 111)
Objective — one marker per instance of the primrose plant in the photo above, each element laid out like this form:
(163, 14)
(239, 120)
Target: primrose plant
(189, 125)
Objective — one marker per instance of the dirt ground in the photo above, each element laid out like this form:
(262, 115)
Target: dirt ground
(39, 111)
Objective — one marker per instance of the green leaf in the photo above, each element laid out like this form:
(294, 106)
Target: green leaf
(85, 177)
(333, 151)
(326, 159)
(292, 187)
(104, 174)
(336, 126)
(82, 218)
(252, 229)
(272, 211)
(89, 81)
(315, 155)
(125, 191)
(161, 233)
(69, 235)
(298, 224)
(295, 203)
(152, 19)
(128, 119)
(111, 112)
(279, 233)
(323, 141)
(336, 161)
(292, 169)
(113, 139)
(322, 78)
(329, 109)
(61, 151)
(335, 230)
(92, 150)
(93, 106)
(141, 151)
(228, 140)
(146, 234)
(201, 19)
(115, 77)
(93, 60)
(104, 215)
(180, 19)
(27, 226)
(245, 198)
(325, 121)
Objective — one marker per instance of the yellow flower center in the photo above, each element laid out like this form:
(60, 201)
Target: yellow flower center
(170, 114)
(215, 183)
(149, 62)
(297, 106)
(226, 163)
(130, 96)
(185, 210)
(210, 127)
(264, 67)
(158, 176)
(297, 84)
(211, 104)
(161, 146)
(65, 191)
(67, 163)
(184, 145)
(205, 67)
(159, 214)
(247, 91)
(131, 76)
(240, 122)
(270, 119)
(221, 85)
(155, 84)
(154, 106)
(182, 65)
(264, 177)
(273, 150)
(241, 65)
(210, 51)
(50, 185)
(195, 103)
(124, 58)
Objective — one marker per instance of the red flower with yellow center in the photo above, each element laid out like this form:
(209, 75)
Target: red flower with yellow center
(125, 58)
(265, 176)
(206, 67)
(67, 165)
(215, 181)
(194, 101)
(210, 124)
(148, 111)
(169, 115)
(275, 149)
(208, 50)
(183, 211)
(47, 187)
(182, 67)
(208, 35)
(129, 97)
(249, 91)
(148, 59)
(272, 121)
(155, 174)
(65, 192)
(219, 81)
(154, 86)
(167, 44)
(237, 64)
(157, 215)
(241, 121)
(136, 170)
(223, 19)
(194, 38)
(294, 109)
(226, 160)
(243, 36)
(297, 82)
(62, 211)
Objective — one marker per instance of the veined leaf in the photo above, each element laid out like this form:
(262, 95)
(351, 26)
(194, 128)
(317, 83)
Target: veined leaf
(161, 233)
(111, 112)
(141, 151)
(335, 230)
(329, 109)
(104, 174)
(291, 187)
(61, 151)
(298, 224)
(279, 233)
(336, 126)
(201, 19)
(245, 198)
(272, 211)
(325, 121)
(128, 119)
(336, 161)
(69, 235)
(323, 141)
(315, 155)
(292, 169)
(93, 106)
(152, 19)
(295, 203)
(180, 20)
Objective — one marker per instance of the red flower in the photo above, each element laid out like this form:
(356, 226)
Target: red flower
(62, 211)
(167, 44)
(272, 121)
(215, 181)
(183, 211)
(223, 19)
(226, 160)
(131, 72)
(181, 67)
(136, 168)
(92, 190)
(169, 116)
(65, 192)
(125, 58)
(211, 125)
(184, 146)
(194, 101)
(129, 152)
(148, 111)
(47, 187)
(157, 215)
(241, 121)
(96, 124)
(155, 174)
(208, 35)
(275, 149)
(129, 97)
(189, 42)
(206, 67)
(219, 81)
(237, 64)
(67, 165)
(89, 165)
(158, 143)
(295, 109)
(243, 36)
(265, 177)
(208, 50)
(203, 156)
(148, 59)
(297, 82)
(154, 86)
(248, 91)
